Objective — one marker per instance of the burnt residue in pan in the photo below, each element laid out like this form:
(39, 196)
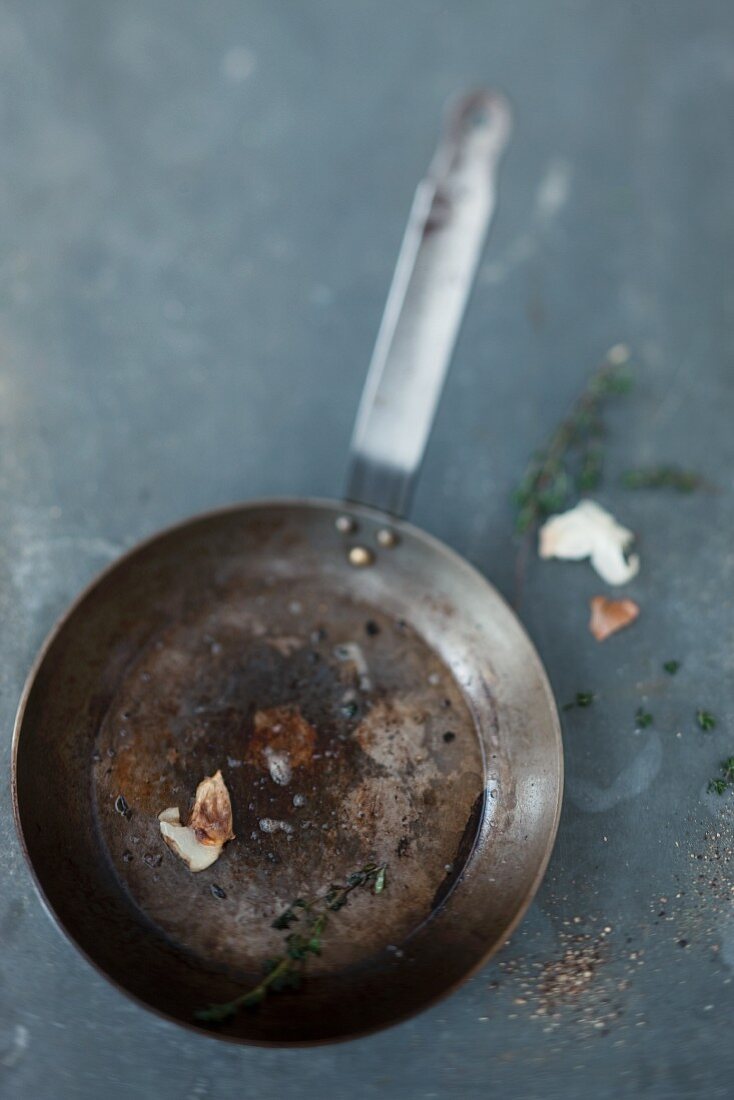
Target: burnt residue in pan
(329, 722)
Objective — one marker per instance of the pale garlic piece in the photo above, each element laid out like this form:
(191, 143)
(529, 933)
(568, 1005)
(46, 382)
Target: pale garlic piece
(588, 531)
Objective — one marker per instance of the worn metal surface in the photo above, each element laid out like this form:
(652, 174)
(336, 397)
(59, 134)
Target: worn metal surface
(237, 642)
(434, 276)
(201, 208)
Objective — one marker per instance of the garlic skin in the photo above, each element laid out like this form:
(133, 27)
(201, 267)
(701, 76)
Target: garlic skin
(589, 531)
(211, 817)
(609, 616)
(200, 843)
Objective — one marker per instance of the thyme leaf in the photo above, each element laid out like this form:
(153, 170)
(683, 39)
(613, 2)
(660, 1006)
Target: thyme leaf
(726, 779)
(582, 699)
(717, 786)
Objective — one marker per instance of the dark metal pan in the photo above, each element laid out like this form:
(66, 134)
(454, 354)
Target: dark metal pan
(413, 711)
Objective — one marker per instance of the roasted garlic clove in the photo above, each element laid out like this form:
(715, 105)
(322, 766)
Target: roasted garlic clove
(200, 843)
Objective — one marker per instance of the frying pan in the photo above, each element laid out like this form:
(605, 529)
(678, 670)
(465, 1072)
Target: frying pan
(412, 711)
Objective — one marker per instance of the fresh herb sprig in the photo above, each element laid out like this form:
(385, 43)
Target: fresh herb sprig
(671, 667)
(705, 720)
(726, 779)
(662, 477)
(311, 916)
(572, 460)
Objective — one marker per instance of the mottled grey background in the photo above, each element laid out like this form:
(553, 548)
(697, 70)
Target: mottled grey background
(200, 206)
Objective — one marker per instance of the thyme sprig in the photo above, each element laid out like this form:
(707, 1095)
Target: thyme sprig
(662, 477)
(311, 916)
(572, 460)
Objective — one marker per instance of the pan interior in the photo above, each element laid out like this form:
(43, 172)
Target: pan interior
(342, 738)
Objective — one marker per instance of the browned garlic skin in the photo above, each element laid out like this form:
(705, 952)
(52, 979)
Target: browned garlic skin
(609, 616)
(211, 817)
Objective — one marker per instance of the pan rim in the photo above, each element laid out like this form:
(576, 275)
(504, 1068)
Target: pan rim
(438, 547)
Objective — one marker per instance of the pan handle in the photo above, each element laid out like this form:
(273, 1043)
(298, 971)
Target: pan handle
(438, 259)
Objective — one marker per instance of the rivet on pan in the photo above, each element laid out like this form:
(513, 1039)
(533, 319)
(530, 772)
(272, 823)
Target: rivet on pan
(346, 525)
(387, 537)
(360, 556)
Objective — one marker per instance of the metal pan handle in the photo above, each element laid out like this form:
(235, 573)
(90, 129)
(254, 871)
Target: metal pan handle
(438, 259)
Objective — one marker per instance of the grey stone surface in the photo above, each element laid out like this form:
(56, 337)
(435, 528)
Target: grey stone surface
(200, 205)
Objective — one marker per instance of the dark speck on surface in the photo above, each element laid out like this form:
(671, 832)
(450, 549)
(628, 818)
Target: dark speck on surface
(121, 806)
